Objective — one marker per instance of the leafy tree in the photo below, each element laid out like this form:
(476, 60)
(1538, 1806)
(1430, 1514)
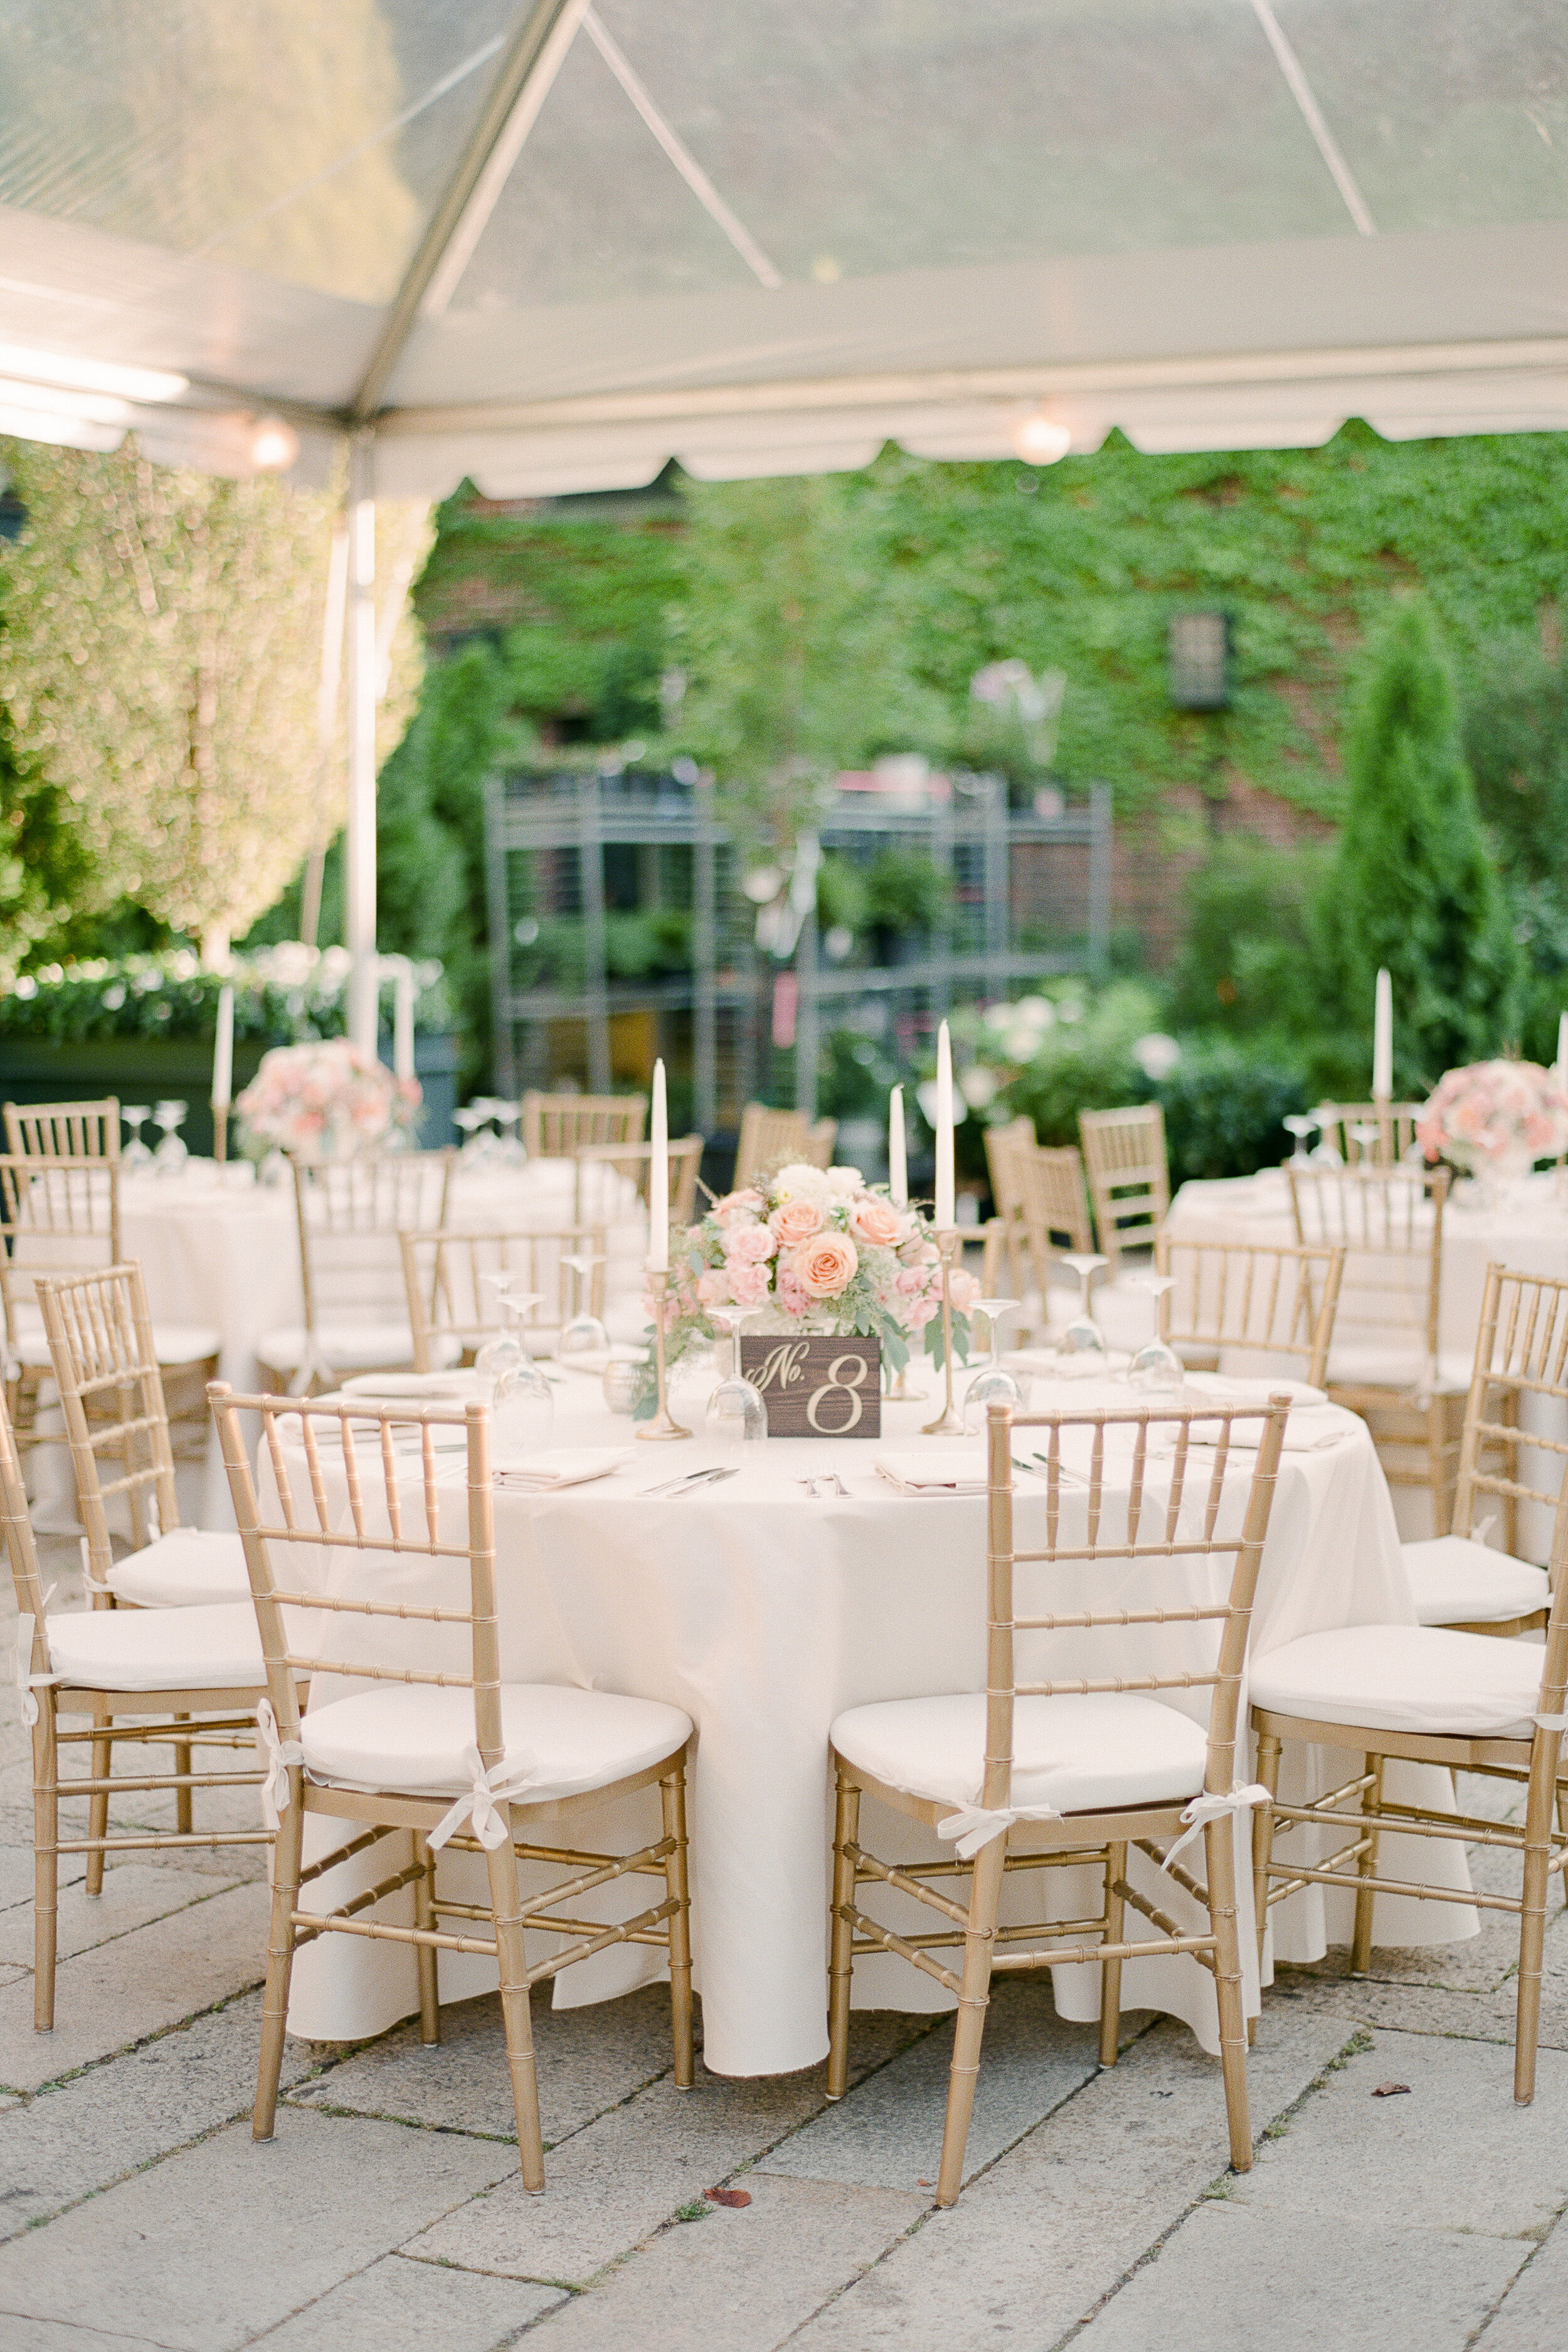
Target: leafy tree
(1413, 885)
(45, 873)
(1246, 966)
(1516, 740)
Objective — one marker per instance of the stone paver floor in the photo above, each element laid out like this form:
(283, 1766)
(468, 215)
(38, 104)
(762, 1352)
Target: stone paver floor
(135, 2211)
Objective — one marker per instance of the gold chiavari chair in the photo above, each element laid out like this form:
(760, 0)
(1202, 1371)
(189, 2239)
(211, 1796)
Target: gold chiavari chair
(555, 1126)
(1430, 1695)
(1079, 1746)
(1458, 1579)
(176, 1674)
(1129, 1176)
(454, 1279)
(1394, 1123)
(67, 1130)
(612, 1176)
(349, 1213)
(1007, 1256)
(777, 1138)
(1265, 1301)
(436, 1744)
(1385, 1363)
(60, 1216)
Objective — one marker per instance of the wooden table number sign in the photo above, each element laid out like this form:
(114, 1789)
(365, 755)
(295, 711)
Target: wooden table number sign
(816, 1387)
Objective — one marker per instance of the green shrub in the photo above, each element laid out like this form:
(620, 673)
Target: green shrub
(1247, 958)
(1223, 1105)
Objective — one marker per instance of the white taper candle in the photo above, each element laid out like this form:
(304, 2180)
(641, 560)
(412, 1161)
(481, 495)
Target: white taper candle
(658, 1179)
(898, 1162)
(946, 1211)
(223, 1051)
(1382, 1041)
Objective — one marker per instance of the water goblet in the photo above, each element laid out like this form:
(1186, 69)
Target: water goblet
(1081, 1350)
(136, 1153)
(585, 1335)
(1300, 1124)
(737, 1413)
(523, 1412)
(1156, 1369)
(1366, 1135)
(467, 1116)
(510, 1147)
(171, 1154)
(506, 1344)
(991, 1385)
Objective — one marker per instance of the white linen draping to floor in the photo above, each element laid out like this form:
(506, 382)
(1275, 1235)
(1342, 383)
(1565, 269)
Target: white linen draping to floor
(765, 1613)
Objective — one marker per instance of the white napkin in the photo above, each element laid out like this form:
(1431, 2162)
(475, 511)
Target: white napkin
(418, 1388)
(1308, 1428)
(936, 1470)
(563, 1465)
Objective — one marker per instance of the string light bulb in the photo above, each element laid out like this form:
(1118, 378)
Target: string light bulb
(274, 445)
(1040, 440)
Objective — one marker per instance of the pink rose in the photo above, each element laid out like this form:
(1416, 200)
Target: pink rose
(825, 1266)
(921, 1312)
(748, 1285)
(748, 1244)
(791, 1296)
(737, 1204)
(713, 1289)
(963, 1290)
(796, 1222)
(911, 1280)
(875, 1221)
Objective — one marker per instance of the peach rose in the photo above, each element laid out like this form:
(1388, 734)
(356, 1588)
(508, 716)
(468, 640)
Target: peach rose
(795, 1221)
(825, 1266)
(963, 1289)
(713, 1289)
(746, 1244)
(876, 1221)
(737, 1204)
(748, 1285)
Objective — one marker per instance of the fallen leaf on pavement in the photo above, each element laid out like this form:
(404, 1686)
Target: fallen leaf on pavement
(728, 2196)
(1390, 2090)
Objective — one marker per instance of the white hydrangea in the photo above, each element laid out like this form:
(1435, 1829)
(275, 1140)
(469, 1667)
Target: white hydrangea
(799, 1182)
(845, 1182)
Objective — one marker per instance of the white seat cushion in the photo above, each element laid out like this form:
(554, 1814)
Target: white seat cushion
(1405, 1678)
(347, 1347)
(414, 1738)
(1457, 1582)
(187, 1569)
(175, 1343)
(1074, 1754)
(1399, 1365)
(160, 1649)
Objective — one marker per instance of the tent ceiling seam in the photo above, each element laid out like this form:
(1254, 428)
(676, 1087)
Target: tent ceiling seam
(1301, 91)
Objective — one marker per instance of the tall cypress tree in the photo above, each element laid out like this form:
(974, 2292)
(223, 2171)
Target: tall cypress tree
(1414, 887)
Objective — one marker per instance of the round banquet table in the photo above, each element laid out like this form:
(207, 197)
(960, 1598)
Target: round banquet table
(764, 1614)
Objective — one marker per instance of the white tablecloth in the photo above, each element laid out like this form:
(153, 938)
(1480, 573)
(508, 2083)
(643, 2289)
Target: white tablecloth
(764, 1614)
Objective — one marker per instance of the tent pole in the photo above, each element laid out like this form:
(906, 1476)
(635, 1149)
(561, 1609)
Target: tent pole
(358, 860)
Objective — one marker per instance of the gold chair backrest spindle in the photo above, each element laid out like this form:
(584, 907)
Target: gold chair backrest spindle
(65, 1131)
(1129, 1175)
(555, 1127)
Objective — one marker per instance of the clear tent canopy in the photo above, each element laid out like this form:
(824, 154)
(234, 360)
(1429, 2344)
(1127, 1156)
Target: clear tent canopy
(552, 246)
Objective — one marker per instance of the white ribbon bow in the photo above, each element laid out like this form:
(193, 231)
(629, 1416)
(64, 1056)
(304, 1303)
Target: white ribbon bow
(26, 1681)
(975, 1826)
(1206, 1808)
(93, 1583)
(278, 1755)
(508, 1779)
(1553, 1722)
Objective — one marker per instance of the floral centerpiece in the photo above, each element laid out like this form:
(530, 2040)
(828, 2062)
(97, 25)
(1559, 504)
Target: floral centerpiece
(326, 1100)
(814, 1250)
(1495, 1117)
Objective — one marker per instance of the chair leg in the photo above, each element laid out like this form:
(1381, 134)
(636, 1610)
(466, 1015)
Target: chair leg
(1366, 1868)
(979, 1936)
(841, 1952)
(102, 1754)
(1219, 1839)
(1438, 1463)
(672, 1796)
(286, 1850)
(1269, 1751)
(1110, 1970)
(1531, 1934)
(506, 1910)
(45, 1864)
(182, 1796)
(425, 1954)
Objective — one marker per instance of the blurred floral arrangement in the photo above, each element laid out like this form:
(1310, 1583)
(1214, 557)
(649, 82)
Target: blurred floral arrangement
(326, 1100)
(1495, 1115)
(815, 1250)
(289, 992)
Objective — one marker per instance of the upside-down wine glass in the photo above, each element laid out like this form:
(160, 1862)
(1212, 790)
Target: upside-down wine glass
(1300, 1124)
(135, 1154)
(469, 1115)
(1366, 1135)
(1081, 1347)
(585, 1335)
(737, 1411)
(171, 1154)
(505, 1345)
(1156, 1369)
(991, 1385)
(508, 1147)
(523, 1412)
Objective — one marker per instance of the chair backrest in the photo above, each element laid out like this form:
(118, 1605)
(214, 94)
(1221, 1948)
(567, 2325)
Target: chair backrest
(21, 1545)
(772, 1139)
(1389, 1223)
(67, 1130)
(450, 1297)
(57, 1216)
(350, 1213)
(1056, 1206)
(1128, 1177)
(1113, 1510)
(613, 1178)
(1521, 1351)
(1394, 1123)
(358, 1477)
(106, 1369)
(1258, 1298)
(555, 1126)
(1005, 1147)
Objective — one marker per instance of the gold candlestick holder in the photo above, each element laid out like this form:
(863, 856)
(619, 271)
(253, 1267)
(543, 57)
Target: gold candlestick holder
(949, 1421)
(663, 1424)
(220, 1132)
(901, 1389)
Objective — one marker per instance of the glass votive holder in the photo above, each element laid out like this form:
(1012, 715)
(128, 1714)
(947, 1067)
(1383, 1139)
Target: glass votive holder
(622, 1380)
